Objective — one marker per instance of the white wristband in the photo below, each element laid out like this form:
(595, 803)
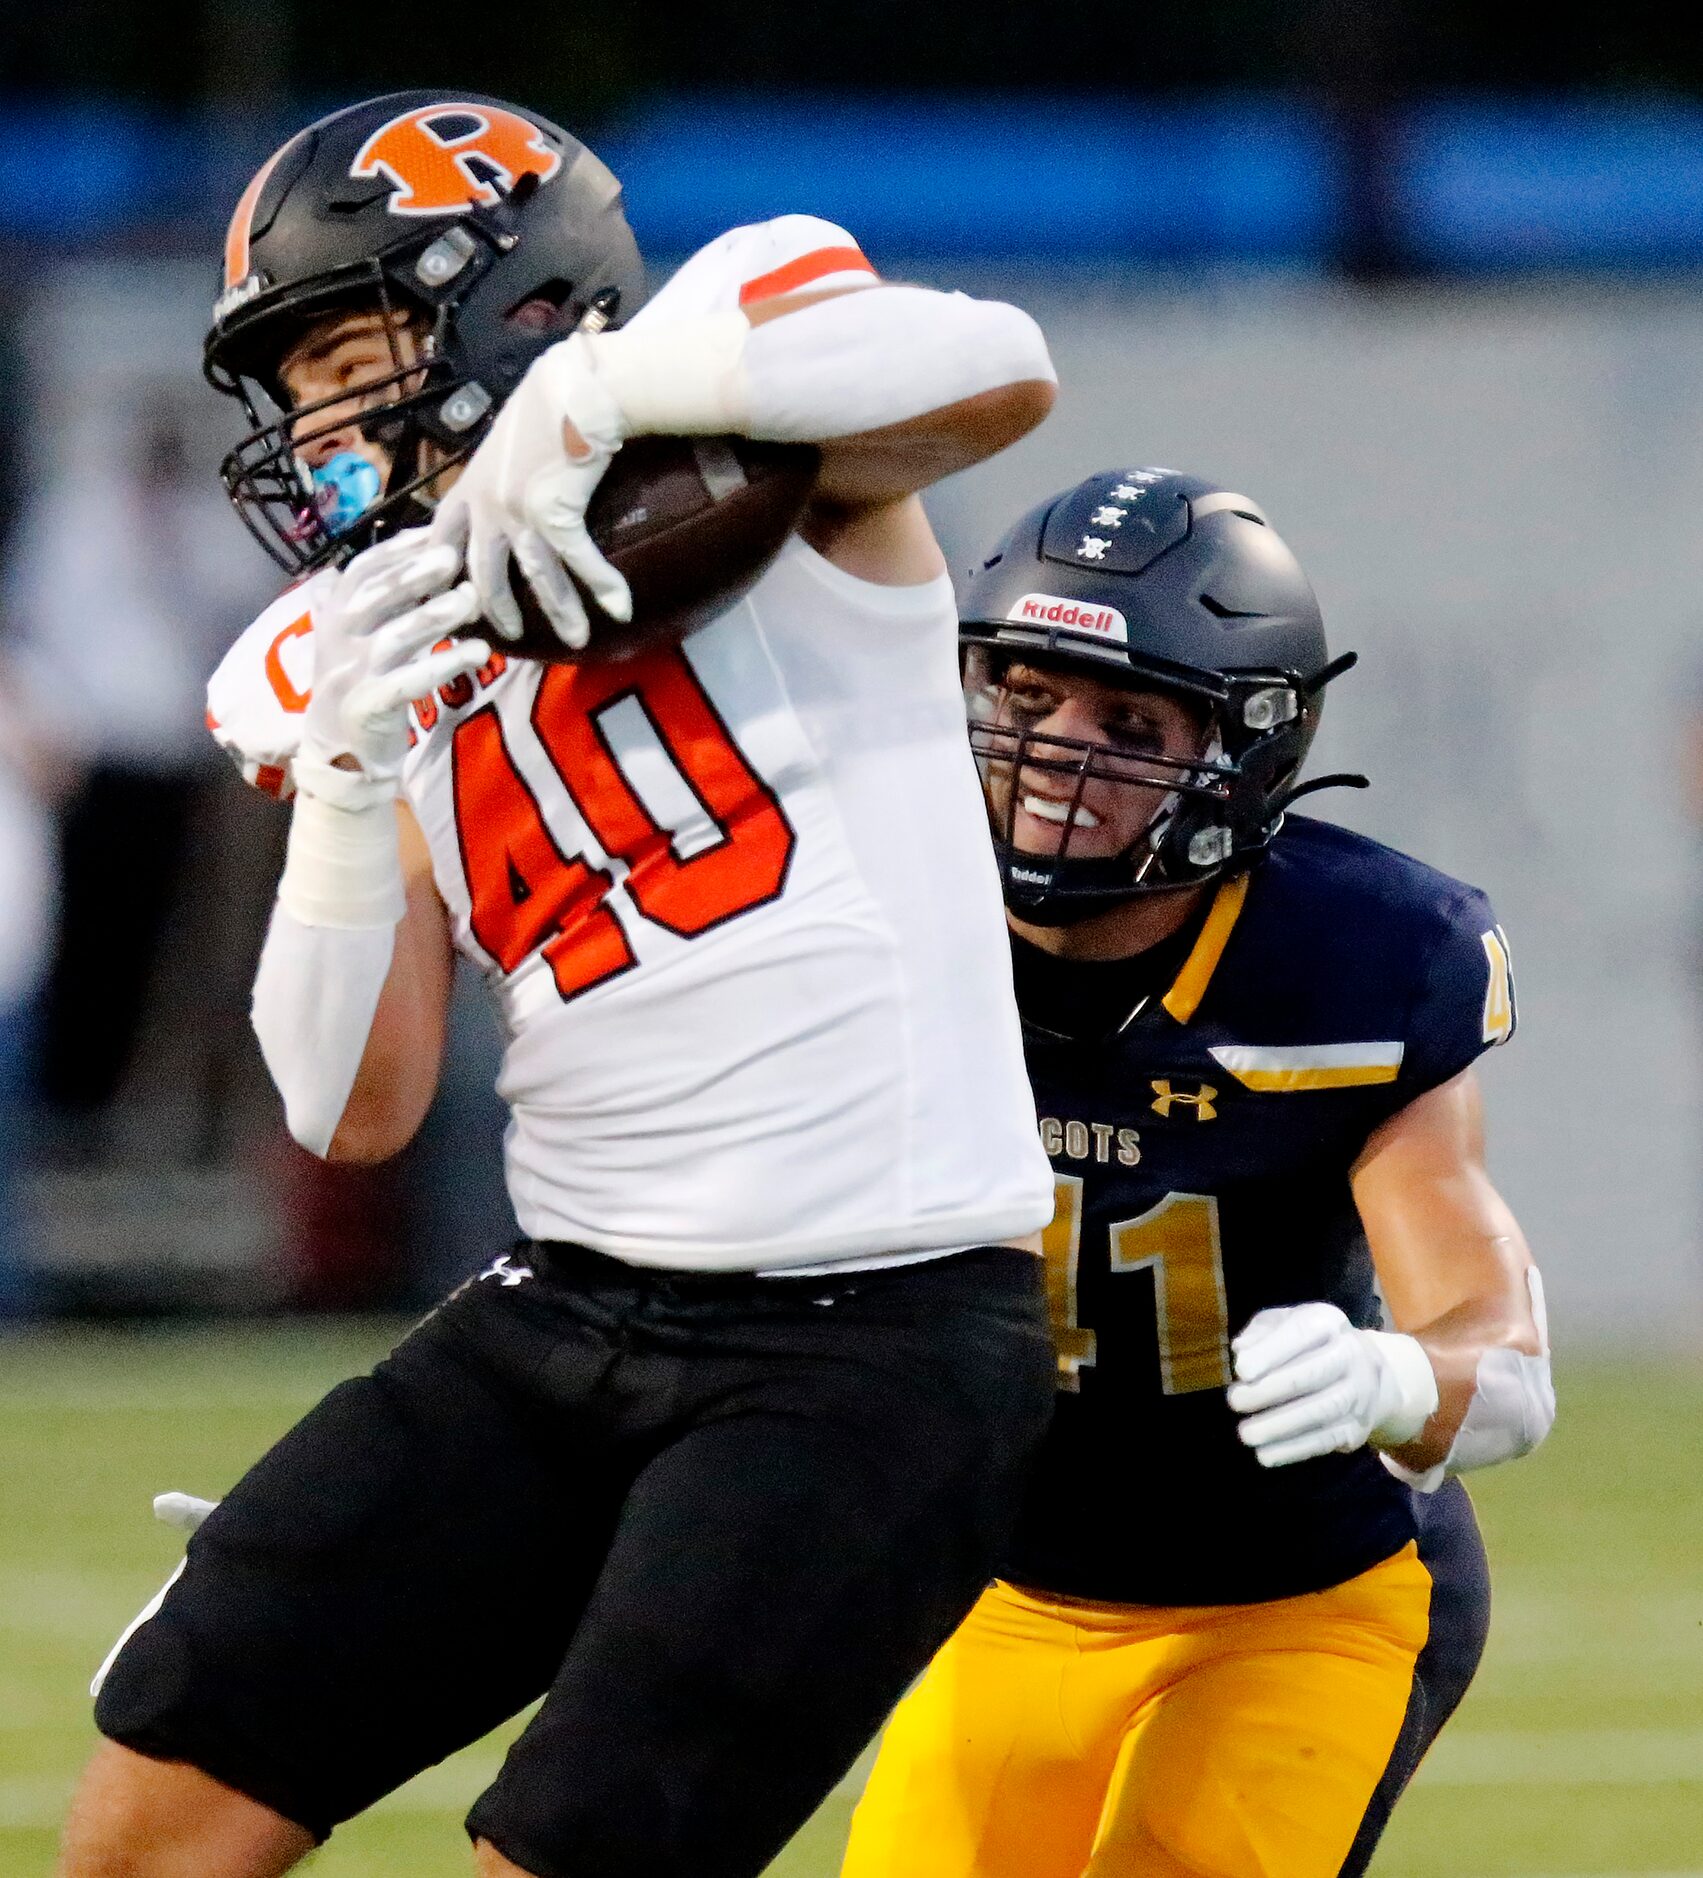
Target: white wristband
(1407, 1396)
(343, 867)
(680, 378)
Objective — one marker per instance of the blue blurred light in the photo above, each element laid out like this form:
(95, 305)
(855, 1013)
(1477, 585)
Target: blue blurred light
(1489, 185)
(1479, 184)
(74, 171)
(1243, 178)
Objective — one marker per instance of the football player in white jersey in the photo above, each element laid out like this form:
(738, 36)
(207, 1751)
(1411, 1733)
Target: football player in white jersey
(716, 1457)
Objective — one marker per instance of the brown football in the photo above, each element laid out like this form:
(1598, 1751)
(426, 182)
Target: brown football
(692, 523)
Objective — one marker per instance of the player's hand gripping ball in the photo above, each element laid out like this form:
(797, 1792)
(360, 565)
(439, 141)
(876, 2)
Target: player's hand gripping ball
(624, 544)
(691, 524)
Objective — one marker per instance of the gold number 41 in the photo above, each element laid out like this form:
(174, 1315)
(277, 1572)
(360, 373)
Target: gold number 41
(1177, 1241)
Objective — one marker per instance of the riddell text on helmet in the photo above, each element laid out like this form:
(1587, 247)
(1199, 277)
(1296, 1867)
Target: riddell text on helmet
(1048, 609)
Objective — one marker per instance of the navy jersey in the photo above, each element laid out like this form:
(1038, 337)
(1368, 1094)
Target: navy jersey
(1202, 1156)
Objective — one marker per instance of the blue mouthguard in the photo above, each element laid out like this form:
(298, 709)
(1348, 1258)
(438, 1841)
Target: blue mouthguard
(343, 490)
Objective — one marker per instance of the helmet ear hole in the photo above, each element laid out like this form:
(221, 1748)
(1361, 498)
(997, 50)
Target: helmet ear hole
(535, 316)
(543, 308)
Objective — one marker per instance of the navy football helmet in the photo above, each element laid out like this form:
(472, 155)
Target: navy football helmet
(485, 230)
(1156, 581)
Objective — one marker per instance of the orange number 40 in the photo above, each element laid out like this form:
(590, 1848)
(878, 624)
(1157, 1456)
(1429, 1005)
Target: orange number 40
(527, 895)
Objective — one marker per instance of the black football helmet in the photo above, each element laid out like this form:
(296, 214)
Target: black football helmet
(496, 231)
(1158, 581)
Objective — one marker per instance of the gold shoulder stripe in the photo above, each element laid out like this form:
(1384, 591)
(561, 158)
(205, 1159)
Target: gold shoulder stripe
(1183, 999)
(1309, 1065)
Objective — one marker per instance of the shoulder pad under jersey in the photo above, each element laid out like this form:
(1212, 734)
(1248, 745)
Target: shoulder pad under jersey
(1467, 1003)
(1381, 943)
(790, 254)
(256, 698)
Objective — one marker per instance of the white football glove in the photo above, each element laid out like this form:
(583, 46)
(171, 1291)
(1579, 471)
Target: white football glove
(523, 494)
(182, 1510)
(373, 634)
(1310, 1383)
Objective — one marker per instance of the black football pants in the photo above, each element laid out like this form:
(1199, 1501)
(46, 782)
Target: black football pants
(718, 1522)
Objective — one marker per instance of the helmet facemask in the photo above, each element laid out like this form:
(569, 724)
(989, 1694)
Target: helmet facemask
(422, 413)
(1209, 811)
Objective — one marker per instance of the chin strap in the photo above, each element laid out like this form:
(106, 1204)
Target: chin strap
(1343, 779)
(1328, 674)
(1346, 779)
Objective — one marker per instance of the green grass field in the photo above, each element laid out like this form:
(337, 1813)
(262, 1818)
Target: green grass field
(1580, 1750)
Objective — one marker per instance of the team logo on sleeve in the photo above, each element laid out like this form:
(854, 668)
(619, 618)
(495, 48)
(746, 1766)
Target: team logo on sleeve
(444, 159)
(1501, 1013)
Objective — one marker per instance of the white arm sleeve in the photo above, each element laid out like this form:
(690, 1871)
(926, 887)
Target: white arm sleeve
(326, 957)
(314, 999)
(881, 355)
(858, 361)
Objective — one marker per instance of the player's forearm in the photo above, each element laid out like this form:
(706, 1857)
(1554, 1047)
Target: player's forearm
(899, 385)
(1459, 1280)
(1490, 1357)
(350, 997)
(399, 1068)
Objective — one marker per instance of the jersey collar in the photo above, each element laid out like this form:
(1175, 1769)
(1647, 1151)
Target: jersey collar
(1183, 999)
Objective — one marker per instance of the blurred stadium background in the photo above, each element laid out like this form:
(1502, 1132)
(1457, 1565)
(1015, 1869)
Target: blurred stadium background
(1425, 282)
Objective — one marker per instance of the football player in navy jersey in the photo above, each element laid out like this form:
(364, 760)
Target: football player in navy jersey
(1247, 1589)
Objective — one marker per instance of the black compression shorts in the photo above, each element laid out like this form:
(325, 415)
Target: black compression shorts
(719, 1522)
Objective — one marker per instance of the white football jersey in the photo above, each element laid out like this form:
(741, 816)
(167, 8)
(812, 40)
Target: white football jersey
(736, 901)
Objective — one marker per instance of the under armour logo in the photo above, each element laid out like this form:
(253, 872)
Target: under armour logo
(1202, 1100)
(506, 1272)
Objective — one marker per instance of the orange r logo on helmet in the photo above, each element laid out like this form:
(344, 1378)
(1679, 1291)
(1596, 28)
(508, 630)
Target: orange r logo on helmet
(447, 158)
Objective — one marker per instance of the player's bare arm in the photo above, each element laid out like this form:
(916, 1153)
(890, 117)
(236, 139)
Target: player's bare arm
(1452, 1263)
(398, 1073)
(1463, 1380)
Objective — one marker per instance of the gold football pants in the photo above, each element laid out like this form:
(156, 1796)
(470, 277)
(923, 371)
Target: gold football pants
(1054, 1738)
